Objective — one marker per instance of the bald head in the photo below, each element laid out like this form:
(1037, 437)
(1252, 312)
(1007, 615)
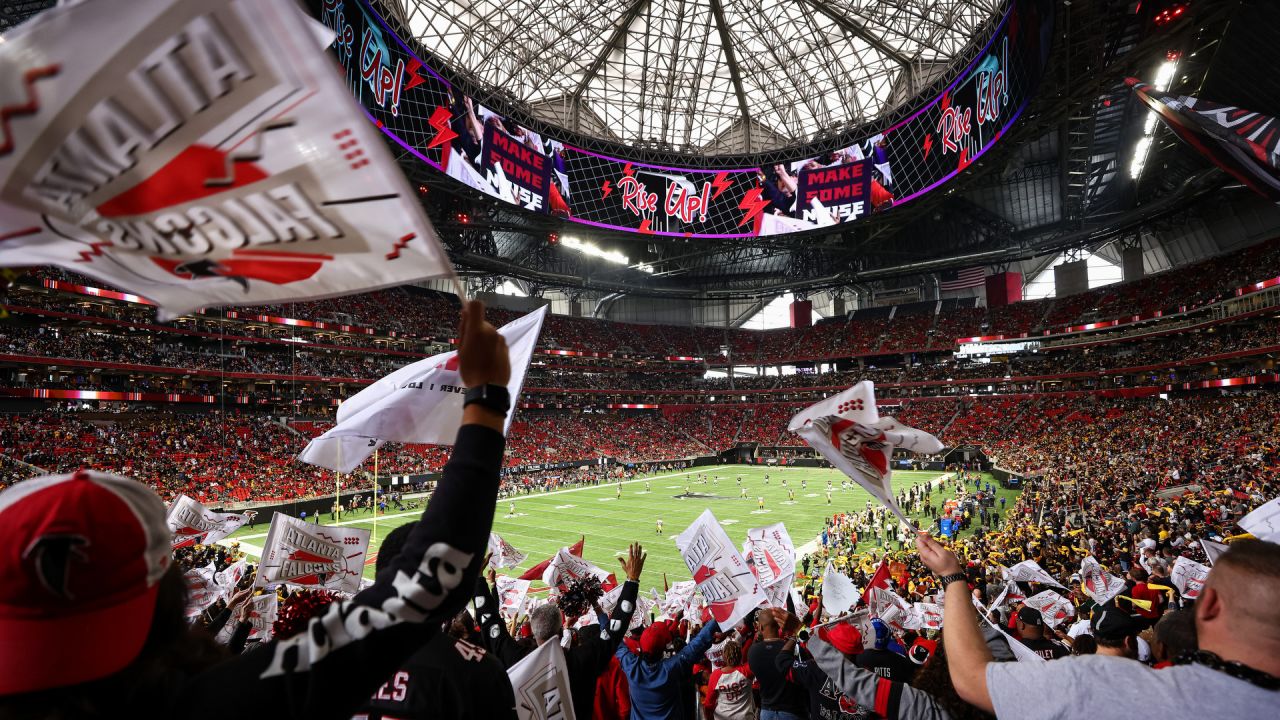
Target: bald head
(1238, 613)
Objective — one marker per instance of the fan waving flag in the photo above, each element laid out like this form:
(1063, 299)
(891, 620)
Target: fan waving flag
(419, 403)
(849, 432)
(773, 559)
(228, 167)
(1097, 583)
(1245, 144)
(1189, 576)
(191, 523)
(726, 583)
(502, 554)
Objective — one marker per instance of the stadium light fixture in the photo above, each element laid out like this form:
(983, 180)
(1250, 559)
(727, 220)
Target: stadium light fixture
(594, 250)
(1164, 76)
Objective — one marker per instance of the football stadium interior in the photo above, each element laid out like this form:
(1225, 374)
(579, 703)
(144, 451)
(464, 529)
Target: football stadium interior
(838, 287)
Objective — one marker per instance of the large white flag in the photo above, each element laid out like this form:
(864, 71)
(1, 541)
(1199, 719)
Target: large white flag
(1264, 522)
(191, 523)
(227, 580)
(419, 403)
(1097, 583)
(502, 554)
(541, 685)
(925, 616)
(889, 607)
(1052, 607)
(1189, 576)
(565, 568)
(726, 583)
(512, 594)
(315, 556)
(1030, 571)
(226, 165)
(849, 432)
(773, 559)
(202, 589)
(838, 592)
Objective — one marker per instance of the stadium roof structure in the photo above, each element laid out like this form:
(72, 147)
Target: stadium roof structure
(701, 76)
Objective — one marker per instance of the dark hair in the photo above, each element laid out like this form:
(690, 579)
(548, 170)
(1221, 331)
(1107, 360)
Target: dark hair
(172, 651)
(1084, 645)
(934, 678)
(1177, 632)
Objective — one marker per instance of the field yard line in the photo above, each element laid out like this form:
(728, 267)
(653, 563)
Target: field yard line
(513, 499)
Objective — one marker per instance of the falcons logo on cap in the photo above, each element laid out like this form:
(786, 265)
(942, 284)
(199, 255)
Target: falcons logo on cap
(51, 556)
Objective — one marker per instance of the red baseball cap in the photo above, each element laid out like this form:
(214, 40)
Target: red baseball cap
(655, 639)
(843, 637)
(81, 557)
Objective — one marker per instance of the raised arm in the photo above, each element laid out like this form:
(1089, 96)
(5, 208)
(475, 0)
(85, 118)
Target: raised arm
(348, 652)
(967, 651)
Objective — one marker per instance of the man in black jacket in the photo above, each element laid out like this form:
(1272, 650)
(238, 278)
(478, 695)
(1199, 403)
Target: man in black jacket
(129, 597)
(589, 656)
(450, 678)
(780, 699)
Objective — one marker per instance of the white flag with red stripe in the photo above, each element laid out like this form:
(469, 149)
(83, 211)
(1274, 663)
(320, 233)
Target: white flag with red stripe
(1052, 607)
(1189, 577)
(1097, 583)
(512, 595)
(315, 556)
(566, 568)
(850, 433)
(502, 554)
(191, 523)
(231, 166)
(727, 585)
(202, 589)
(772, 555)
(419, 403)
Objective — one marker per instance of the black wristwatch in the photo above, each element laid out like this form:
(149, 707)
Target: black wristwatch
(491, 397)
(946, 580)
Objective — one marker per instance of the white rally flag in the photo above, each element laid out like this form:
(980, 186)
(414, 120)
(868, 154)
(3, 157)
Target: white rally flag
(227, 165)
(1097, 583)
(726, 583)
(1264, 522)
(1189, 576)
(772, 556)
(1052, 607)
(679, 598)
(1213, 550)
(512, 595)
(262, 615)
(925, 616)
(838, 592)
(191, 523)
(502, 554)
(202, 589)
(849, 432)
(419, 403)
(1030, 571)
(227, 580)
(889, 607)
(565, 568)
(639, 614)
(541, 685)
(314, 556)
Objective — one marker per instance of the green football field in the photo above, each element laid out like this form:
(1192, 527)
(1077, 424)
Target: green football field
(544, 522)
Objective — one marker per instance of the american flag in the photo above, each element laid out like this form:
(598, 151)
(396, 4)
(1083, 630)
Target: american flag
(962, 279)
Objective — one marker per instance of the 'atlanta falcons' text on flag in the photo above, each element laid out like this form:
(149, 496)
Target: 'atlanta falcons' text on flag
(316, 556)
(419, 403)
(726, 583)
(191, 523)
(849, 432)
(772, 556)
(227, 165)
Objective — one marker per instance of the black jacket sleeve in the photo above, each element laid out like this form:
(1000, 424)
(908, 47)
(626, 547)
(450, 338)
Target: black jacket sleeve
(343, 656)
(496, 638)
